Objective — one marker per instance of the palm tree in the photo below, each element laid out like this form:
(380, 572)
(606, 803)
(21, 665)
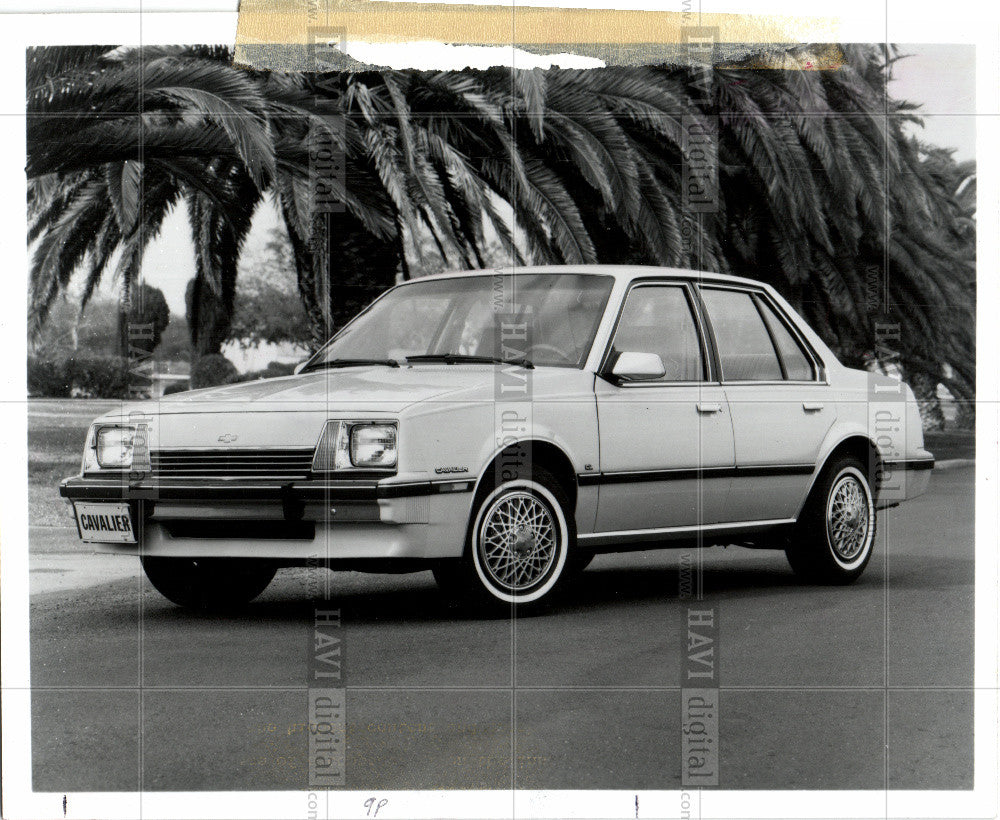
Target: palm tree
(219, 139)
(820, 192)
(107, 164)
(817, 185)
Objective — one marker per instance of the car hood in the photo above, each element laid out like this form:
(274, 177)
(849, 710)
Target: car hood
(290, 412)
(358, 389)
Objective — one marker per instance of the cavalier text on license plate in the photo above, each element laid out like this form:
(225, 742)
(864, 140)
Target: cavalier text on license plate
(105, 522)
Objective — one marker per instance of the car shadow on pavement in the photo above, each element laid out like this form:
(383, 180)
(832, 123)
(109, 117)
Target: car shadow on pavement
(415, 598)
(614, 585)
(374, 599)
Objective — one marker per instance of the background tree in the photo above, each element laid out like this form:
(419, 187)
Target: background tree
(268, 307)
(142, 320)
(70, 331)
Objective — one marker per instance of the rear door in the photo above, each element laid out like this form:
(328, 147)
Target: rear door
(777, 393)
(666, 445)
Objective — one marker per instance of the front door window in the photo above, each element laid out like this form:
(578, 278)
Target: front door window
(658, 319)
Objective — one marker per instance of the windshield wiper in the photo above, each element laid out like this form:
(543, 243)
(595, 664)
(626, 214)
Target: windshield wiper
(334, 363)
(460, 358)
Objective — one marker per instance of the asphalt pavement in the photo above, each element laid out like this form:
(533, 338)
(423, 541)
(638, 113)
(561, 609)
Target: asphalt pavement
(861, 687)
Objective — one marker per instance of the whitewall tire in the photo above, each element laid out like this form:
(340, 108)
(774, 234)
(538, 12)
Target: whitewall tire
(835, 535)
(519, 538)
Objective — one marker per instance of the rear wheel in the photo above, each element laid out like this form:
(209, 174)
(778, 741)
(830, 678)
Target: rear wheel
(518, 545)
(208, 583)
(835, 536)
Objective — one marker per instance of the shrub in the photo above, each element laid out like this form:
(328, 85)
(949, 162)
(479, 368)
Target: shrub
(280, 369)
(272, 371)
(47, 378)
(106, 378)
(211, 370)
(95, 377)
(176, 387)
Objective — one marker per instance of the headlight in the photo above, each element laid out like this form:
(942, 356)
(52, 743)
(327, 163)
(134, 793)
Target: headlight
(346, 445)
(110, 447)
(373, 445)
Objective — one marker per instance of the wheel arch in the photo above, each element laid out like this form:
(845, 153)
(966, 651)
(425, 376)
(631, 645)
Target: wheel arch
(859, 446)
(508, 463)
(543, 454)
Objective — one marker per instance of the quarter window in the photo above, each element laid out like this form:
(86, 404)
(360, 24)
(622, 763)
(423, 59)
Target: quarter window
(745, 348)
(658, 319)
(797, 365)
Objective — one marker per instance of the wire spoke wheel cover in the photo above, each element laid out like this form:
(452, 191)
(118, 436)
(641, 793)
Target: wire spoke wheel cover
(520, 542)
(850, 518)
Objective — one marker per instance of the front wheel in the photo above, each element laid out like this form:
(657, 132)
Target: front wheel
(519, 540)
(835, 536)
(208, 583)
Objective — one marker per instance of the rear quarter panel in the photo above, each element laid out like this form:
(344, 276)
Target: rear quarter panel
(884, 411)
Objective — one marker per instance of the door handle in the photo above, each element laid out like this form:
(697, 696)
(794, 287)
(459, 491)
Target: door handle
(812, 406)
(709, 407)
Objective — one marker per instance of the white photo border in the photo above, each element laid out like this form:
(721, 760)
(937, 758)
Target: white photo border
(862, 22)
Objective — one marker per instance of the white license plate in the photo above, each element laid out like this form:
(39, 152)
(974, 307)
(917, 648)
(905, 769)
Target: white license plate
(105, 523)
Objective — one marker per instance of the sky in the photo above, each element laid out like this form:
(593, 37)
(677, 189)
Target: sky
(939, 77)
(942, 78)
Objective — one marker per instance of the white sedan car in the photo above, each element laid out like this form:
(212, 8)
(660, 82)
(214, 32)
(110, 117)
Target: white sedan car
(501, 428)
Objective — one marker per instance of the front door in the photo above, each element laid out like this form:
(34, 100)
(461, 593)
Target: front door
(657, 437)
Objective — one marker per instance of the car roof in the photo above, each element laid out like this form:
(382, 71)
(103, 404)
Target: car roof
(619, 272)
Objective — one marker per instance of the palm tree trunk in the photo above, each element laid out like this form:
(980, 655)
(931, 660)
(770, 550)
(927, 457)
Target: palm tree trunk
(209, 318)
(925, 390)
(308, 268)
(965, 417)
(341, 269)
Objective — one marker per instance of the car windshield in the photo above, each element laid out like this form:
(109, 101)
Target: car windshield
(538, 319)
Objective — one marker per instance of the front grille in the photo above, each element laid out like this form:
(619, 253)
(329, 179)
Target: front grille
(281, 464)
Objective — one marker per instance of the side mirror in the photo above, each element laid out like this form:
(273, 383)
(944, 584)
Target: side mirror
(637, 367)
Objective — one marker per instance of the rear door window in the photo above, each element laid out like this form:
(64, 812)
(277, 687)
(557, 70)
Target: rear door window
(746, 351)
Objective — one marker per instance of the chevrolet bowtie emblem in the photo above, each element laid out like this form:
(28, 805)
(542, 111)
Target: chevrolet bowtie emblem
(228, 438)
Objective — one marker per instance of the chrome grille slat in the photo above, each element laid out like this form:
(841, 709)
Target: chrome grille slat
(209, 454)
(212, 461)
(228, 456)
(229, 463)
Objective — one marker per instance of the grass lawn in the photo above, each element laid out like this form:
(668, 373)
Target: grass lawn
(56, 431)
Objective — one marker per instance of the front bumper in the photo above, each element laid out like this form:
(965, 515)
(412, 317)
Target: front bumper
(294, 520)
(121, 488)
